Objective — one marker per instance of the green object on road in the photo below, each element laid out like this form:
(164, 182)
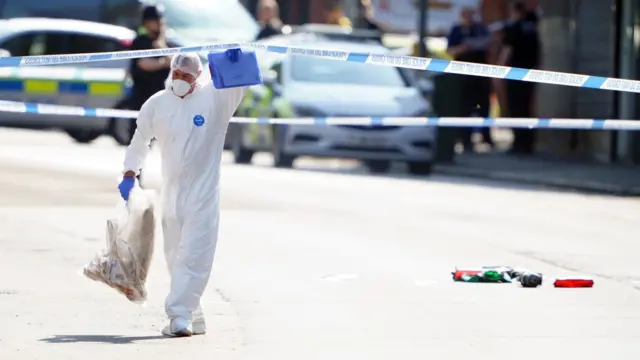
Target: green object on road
(488, 276)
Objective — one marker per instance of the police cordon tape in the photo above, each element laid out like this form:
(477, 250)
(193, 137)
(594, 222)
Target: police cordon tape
(526, 123)
(402, 61)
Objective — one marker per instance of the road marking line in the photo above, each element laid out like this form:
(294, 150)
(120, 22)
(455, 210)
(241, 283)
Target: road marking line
(424, 283)
(340, 277)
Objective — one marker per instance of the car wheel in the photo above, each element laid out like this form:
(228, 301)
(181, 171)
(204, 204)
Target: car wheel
(122, 130)
(83, 136)
(378, 166)
(241, 155)
(280, 159)
(420, 167)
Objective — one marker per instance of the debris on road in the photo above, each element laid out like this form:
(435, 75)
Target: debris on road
(459, 274)
(573, 282)
(488, 274)
(530, 279)
(506, 274)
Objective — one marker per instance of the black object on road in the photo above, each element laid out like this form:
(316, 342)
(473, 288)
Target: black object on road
(530, 279)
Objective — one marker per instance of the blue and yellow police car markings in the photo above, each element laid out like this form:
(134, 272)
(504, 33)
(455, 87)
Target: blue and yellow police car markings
(48, 81)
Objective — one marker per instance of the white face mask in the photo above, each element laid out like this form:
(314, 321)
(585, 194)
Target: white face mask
(180, 87)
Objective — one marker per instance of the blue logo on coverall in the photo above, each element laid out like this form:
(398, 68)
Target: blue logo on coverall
(198, 120)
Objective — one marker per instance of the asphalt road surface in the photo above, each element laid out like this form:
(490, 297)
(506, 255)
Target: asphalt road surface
(319, 263)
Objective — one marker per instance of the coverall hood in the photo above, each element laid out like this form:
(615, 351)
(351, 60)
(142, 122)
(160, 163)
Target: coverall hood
(191, 64)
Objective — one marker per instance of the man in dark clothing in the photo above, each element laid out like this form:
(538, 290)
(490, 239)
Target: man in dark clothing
(468, 41)
(521, 48)
(269, 19)
(148, 74)
(368, 21)
(367, 17)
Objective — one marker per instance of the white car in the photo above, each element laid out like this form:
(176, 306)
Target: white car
(302, 86)
(96, 84)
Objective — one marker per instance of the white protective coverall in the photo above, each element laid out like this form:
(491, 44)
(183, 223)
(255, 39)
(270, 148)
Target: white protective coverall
(190, 134)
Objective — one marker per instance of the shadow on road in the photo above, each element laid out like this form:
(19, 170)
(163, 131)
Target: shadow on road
(399, 172)
(109, 339)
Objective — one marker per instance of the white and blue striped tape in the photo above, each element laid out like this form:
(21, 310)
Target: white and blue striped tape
(409, 62)
(526, 123)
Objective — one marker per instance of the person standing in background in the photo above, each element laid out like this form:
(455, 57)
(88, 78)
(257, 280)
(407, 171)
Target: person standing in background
(521, 48)
(494, 14)
(269, 19)
(468, 41)
(367, 17)
(148, 74)
(533, 14)
(334, 15)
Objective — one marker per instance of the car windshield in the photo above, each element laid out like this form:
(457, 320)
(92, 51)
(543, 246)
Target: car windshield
(310, 69)
(4, 31)
(207, 15)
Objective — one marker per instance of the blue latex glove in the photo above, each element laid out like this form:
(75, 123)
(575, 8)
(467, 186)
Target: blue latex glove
(233, 54)
(125, 187)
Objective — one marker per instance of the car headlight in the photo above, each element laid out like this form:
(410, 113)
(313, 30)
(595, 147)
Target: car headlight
(424, 112)
(302, 111)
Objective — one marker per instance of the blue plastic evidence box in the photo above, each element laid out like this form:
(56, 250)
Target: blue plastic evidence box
(227, 74)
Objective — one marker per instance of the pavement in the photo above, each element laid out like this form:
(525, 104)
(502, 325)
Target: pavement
(320, 262)
(618, 180)
(543, 169)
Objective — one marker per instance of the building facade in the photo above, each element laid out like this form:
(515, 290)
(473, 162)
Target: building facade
(592, 37)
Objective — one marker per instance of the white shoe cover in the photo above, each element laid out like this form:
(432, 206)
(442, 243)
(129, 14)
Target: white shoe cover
(177, 328)
(199, 326)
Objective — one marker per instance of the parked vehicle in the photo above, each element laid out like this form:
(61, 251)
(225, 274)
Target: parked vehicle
(301, 86)
(189, 23)
(96, 84)
(192, 22)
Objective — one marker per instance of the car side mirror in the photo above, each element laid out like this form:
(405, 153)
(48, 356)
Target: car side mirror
(424, 85)
(276, 89)
(5, 53)
(270, 78)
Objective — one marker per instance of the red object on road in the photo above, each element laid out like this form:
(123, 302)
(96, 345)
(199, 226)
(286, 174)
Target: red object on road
(573, 283)
(458, 274)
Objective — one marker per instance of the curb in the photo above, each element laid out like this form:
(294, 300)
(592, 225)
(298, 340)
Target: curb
(585, 186)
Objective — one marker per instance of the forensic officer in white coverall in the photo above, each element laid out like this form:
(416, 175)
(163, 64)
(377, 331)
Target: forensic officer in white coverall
(189, 121)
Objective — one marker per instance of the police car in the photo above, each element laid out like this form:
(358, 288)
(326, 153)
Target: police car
(301, 86)
(96, 84)
(193, 22)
